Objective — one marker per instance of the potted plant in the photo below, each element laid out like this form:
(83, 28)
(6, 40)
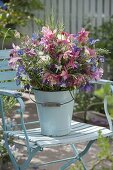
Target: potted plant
(55, 64)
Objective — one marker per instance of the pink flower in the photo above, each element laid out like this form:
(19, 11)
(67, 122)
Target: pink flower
(15, 47)
(30, 52)
(48, 33)
(90, 52)
(83, 36)
(64, 74)
(52, 79)
(72, 63)
(67, 54)
(79, 80)
(64, 37)
(97, 74)
(14, 58)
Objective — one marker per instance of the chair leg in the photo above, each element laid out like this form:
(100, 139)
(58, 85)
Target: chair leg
(26, 163)
(75, 150)
(78, 156)
(13, 160)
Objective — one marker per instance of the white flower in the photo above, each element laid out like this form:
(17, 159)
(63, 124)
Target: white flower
(58, 67)
(45, 58)
(61, 37)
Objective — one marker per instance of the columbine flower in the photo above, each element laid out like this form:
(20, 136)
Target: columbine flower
(13, 61)
(90, 52)
(87, 88)
(64, 74)
(92, 41)
(51, 79)
(97, 74)
(101, 59)
(61, 37)
(83, 36)
(15, 47)
(20, 52)
(47, 33)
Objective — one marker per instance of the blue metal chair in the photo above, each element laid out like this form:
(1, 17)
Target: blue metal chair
(32, 139)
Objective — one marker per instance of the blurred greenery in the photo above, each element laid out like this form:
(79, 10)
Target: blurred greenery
(77, 166)
(9, 103)
(17, 13)
(104, 154)
(87, 101)
(105, 90)
(104, 33)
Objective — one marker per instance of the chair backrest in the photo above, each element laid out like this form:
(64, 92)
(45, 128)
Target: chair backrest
(7, 75)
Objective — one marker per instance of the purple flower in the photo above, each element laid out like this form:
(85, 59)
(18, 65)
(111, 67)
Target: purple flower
(17, 82)
(93, 41)
(20, 71)
(30, 52)
(20, 52)
(87, 87)
(2, 5)
(34, 36)
(75, 35)
(93, 68)
(27, 87)
(75, 48)
(93, 60)
(101, 59)
(97, 74)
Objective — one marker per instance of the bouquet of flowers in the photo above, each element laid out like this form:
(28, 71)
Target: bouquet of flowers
(55, 60)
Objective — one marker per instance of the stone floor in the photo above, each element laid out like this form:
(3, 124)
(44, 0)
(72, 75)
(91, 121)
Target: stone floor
(56, 152)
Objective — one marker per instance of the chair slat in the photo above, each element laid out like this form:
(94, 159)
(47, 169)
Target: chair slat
(4, 53)
(10, 86)
(7, 75)
(4, 65)
(77, 135)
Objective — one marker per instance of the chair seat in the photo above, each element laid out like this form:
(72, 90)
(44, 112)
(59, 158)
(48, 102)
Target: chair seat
(80, 132)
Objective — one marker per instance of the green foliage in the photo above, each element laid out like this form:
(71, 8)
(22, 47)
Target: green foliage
(104, 154)
(82, 100)
(106, 91)
(104, 146)
(103, 91)
(17, 13)
(77, 166)
(86, 101)
(3, 152)
(9, 103)
(50, 21)
(104, 33)
(101, 51)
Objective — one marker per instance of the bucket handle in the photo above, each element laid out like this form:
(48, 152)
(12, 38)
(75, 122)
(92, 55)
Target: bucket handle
(51, 104)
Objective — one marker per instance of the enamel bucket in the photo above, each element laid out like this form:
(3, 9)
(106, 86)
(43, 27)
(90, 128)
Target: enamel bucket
(54, 111)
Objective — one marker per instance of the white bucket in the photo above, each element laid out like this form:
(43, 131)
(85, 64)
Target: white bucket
(55, 111)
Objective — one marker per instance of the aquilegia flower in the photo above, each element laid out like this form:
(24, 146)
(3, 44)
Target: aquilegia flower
(56, 60)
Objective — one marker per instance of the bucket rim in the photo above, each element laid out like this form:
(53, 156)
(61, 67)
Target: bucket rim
(53, 91)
